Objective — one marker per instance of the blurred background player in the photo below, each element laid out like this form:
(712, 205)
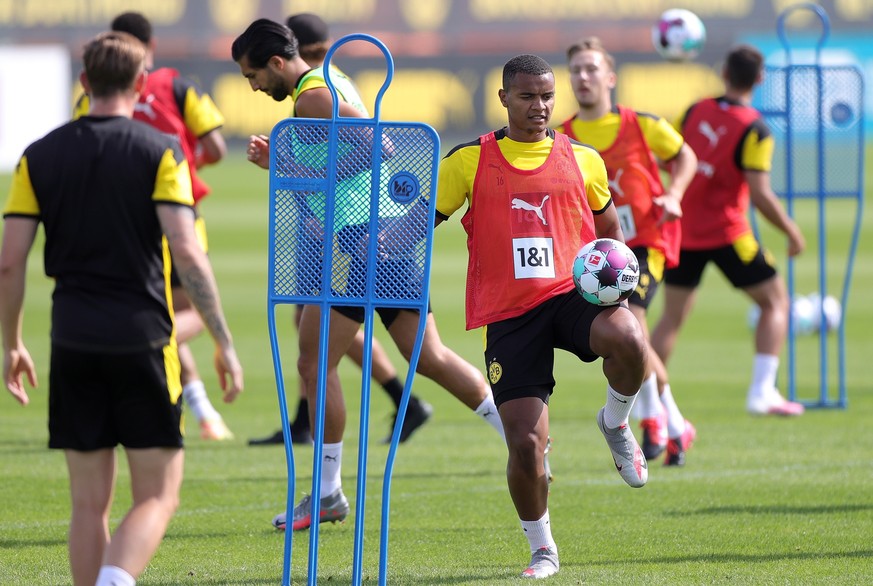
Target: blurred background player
(734, 149)
(112, 195)
(632, 144)
(313, 43)
(267, 55)
(175, 106)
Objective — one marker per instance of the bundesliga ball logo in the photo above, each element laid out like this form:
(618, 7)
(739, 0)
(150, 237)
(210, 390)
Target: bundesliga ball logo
(606, 272)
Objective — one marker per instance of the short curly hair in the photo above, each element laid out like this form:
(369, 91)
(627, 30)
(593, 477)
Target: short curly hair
(528, 64)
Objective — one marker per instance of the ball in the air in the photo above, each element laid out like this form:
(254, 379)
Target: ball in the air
(606, 271)
(678, 35)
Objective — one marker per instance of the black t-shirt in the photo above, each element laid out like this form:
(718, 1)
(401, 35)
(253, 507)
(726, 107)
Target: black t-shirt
(94, 184)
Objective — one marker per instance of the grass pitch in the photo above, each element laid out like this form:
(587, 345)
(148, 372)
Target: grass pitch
(761, 501)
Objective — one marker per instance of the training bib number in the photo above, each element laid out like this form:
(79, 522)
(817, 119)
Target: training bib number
(533, 258)
(626, 219)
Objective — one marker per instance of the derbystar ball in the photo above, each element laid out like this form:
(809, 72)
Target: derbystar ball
(606, 272)
(678, 35)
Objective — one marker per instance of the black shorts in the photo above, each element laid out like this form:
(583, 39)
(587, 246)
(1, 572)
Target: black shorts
(745, 263)
(519, 352)
(386, 314)
(651, 274)
(101, 400)
(200, 229)
(395, 279)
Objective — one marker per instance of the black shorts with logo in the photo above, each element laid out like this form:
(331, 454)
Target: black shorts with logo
(99, 400)
(745, 263)
(520, 351)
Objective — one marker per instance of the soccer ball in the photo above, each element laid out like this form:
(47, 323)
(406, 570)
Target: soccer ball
(606, 272)
(803, 312)
(678, 35)
(833, 311)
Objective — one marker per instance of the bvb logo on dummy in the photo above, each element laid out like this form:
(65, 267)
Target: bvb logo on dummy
(495, 371)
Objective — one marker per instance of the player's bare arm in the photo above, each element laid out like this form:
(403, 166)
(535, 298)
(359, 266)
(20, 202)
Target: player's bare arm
(682, 169)
(607, 224)
(198, 279)
(763, 198)
(18, 237)
(318, 103)
(399, 234)
(211, 148)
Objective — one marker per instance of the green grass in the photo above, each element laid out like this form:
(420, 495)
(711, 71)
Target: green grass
(761, 501)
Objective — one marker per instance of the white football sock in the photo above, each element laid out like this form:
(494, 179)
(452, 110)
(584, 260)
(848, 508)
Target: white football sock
(675, 420)
(618, 408)
(539, 533)
(331, 465)
(487, 410)
(647, 405)
(764, 373)
(114, 576)
(197, 401)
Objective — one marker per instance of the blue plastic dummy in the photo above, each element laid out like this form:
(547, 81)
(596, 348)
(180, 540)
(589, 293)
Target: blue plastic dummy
(816, 114)
(351, 224)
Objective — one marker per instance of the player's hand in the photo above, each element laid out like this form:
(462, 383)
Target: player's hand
(258, 150)
(671, 206)
(230, 373)
(796, 241)
(380, 243)
(17, 362)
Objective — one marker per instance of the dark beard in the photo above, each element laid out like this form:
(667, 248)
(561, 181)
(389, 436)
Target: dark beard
(279, 93)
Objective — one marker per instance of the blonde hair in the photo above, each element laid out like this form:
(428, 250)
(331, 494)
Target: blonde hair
(112, 61)
(591, 44)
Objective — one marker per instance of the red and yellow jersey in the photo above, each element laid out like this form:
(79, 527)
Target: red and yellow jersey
(729, 139)
(530, 209)
(458, 169)
(175, 106)
(661, 138)
(624, 139)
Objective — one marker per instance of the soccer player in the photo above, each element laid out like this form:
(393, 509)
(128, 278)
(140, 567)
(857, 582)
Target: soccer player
(734, 149)
(632, 144)
(313, 43)
(113, 195)
(267, 55)
(176, 106)
(520, 286)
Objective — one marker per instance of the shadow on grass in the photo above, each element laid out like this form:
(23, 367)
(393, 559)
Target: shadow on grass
(18, 447)
(306, 480)
(732, 558)
(194, 580)
(333, 580)
(824, 509)
(20, 543)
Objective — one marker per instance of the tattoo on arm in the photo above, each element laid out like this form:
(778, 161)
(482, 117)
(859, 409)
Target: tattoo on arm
(195, 272)
(203, 292)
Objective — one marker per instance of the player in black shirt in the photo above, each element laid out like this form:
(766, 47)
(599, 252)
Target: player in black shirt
(114, 197)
